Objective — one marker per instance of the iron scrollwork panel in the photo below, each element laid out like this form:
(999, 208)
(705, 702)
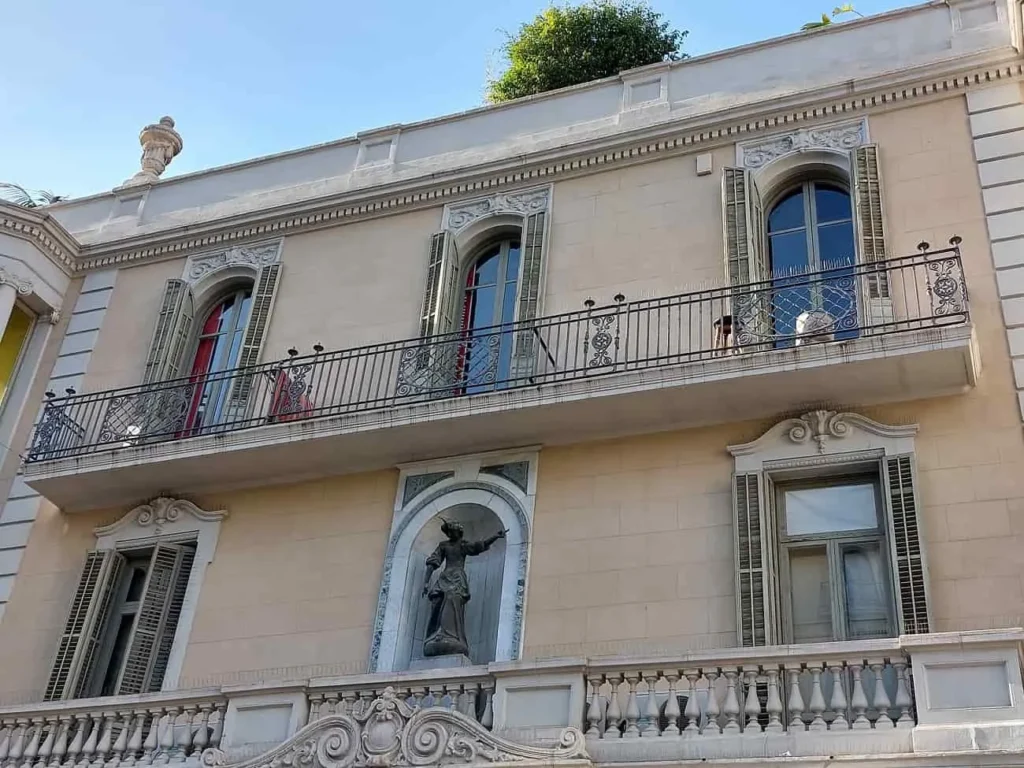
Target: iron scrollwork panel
(134, 417)
(946, 288)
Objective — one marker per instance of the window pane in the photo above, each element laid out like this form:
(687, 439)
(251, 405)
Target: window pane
(788, 213)
(831, 509)
(124, 631)
(835, 244)
(812, 595)
(788, 253)
(867, 596)
(831, 204)
(487, 268)
(483, 308)
(512, 270)
(138, 581)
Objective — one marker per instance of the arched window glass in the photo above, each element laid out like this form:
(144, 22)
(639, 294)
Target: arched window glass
(810, 229)
(218, 348)
(489, 303)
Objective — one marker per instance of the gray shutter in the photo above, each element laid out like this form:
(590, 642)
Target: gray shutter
(756, 572)
(172, 333)
(746, 259)
(263, 297)
(85, 625)
(910, 572)
(440, 294)
(153, 620)
(524, 359)
(869, 218)
(163, 653)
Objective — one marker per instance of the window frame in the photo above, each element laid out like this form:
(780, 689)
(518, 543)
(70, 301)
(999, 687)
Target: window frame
(834, 544)
(807, 185)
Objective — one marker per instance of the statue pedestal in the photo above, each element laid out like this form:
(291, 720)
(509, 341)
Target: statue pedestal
(449, 661)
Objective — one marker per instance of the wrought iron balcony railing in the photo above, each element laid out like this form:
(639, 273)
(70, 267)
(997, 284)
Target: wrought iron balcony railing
(835, 304)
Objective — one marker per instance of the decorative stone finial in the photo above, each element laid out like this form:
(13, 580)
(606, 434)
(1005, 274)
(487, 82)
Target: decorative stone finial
(160, 144)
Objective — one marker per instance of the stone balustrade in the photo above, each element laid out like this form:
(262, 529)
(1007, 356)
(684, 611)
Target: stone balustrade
(123, 730)
(954, 692)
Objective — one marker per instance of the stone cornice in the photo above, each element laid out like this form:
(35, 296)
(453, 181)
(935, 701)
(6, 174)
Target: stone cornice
(644, 144)
(43, 231)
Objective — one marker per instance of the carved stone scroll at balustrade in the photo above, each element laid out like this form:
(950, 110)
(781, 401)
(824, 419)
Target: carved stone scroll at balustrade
(121, 735)
(470, 698)
(386, 731)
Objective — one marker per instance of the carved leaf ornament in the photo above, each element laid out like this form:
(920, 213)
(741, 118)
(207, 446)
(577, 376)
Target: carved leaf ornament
(388, 732)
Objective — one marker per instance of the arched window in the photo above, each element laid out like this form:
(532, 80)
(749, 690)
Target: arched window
(810, 229)
(218, 347)
(488, 306)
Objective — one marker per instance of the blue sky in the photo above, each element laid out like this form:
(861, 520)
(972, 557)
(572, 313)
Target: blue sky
(244, 79)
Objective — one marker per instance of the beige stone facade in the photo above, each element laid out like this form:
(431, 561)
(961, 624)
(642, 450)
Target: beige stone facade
(631, 456)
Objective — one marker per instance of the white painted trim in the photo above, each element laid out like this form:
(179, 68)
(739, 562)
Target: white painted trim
(823, 434)
(170, 519)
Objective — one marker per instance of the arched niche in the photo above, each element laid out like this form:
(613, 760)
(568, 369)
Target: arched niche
(482, 498)
(775, 177)
(485, 572)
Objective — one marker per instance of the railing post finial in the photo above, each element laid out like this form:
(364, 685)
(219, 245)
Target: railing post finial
(924, 246)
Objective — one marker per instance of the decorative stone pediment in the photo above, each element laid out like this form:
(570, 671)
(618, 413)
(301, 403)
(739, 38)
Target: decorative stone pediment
(821, 433)
(388, 732)
(158, 516)
(459, 215)
(255, 256)
(842, 137)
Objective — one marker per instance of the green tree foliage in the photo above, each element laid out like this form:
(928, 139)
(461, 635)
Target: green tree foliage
(575, 44)
(826, 19)
(13, 193)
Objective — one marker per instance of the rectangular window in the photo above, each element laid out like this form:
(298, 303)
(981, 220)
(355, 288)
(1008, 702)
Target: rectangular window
(835, 570)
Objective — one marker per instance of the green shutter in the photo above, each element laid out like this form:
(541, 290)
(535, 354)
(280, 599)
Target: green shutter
(172, 334)
(86, 622)
(263, 298)
(869, 216)
(440, 295)
(752, 561)
(910, 572)
(745, 257)
(154, 619)
(163, 651)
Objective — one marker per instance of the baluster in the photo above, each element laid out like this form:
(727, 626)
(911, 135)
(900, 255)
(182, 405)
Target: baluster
(859, 700)
(796, 700)
(315, 702)
(487, 718)
(632, 708)
(89, 748)
(652, 715)
(217, 731)
(152, 742)
(183, 743)
(774, 705)
(904, 701)
(594, 710)
(473, 697)
(75, 750)
(817, 704)
(46, 750)
(124, 719)
(713, 709)
(18, 742)
(614, 715)
(838, 704)
(672, 712)
(166, 749)
(692, 710)
(331, 703)
(202, 738)
(60, 744)
(32, 750)
(350, 702)
(437, 695)
(752, 707)
(6, 732)
(106, 738)
(134, 748)
(881, 699)
(731, 707)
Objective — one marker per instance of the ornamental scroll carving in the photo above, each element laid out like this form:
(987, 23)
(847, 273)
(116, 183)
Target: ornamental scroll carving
(253, 256)
(843, 137)
(818, 427)
(458, 215)
(159, 513)
(388, 732)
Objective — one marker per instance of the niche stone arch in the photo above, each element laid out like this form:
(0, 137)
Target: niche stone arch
(483, 493)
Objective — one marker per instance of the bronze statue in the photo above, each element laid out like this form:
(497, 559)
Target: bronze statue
(446, 630)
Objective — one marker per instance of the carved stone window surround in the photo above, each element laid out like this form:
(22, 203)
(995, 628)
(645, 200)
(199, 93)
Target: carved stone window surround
(458, 216)
(170, 520)
(201, 267)
(840, 137)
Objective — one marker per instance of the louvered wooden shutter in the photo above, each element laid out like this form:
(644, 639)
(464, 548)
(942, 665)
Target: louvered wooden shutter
(440, 295)
(172, 333)
(163, 651)
(263, 298)
(869, 215)
(524, 357)
(745, 257)
(756, 569)
(87, 621)
(910, 572)
(154, 619)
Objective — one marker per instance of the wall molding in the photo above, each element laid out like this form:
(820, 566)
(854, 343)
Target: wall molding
(665, 139)
(201, 265)
(840, 137)
(458, 216)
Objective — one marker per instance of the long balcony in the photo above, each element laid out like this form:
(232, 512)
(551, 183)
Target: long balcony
(880, 332)
(954, 698)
